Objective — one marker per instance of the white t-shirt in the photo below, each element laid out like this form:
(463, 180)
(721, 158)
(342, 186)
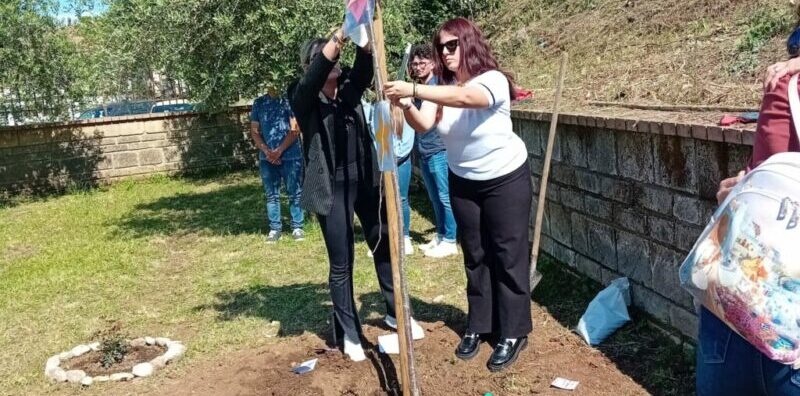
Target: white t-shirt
(481, 144)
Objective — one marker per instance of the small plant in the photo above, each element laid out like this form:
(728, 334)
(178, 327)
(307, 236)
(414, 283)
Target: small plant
(762, 26)
(114, 348)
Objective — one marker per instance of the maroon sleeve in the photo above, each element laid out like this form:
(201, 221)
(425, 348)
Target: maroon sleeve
(775, 132)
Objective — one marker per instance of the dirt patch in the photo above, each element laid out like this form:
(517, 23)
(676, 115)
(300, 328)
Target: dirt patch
(553, 352)
(90, 362)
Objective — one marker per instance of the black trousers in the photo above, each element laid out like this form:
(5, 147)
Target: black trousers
(337, 230)
(492, 218)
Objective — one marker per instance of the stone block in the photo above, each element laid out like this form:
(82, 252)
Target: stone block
(574, 146)
(601, 151)
(564, 255)
(560, 223)
(562, 173)
(125, 160)
(529, 134)
(572, 199)
(685, 321)
(602, 243)
(675, 163)
(579, 238)
(587, 181)
(151, 157)
(635, 156)
(655, 199)
(665, 265)
(618, 190)
(630, 219)
(712, 168)
(589, 268)
(172, 154)
(633, 257)
(9, 139)
(686, 236)
(662, 230)
(598, 207)
(650, 302)
(688, 209)
(129, 139)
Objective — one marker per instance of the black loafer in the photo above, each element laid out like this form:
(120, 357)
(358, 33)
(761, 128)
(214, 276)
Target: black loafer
(505, 353)
(468, 347)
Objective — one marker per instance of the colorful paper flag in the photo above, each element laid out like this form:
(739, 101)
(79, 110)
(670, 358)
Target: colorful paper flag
(383, 136)
(358, 14)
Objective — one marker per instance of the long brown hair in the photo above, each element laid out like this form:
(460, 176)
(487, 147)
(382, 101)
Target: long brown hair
(476, 54)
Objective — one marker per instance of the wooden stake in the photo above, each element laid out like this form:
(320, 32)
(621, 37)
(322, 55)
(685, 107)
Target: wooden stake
(402, 303)
(731, 109)
(535, 276)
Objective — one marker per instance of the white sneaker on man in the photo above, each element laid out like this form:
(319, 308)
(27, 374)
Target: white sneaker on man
(430, 245)
(407, 246)
(354, 350)
(443, 249)
(417, 332)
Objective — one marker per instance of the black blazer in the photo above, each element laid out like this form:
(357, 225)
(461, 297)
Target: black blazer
(317, 125)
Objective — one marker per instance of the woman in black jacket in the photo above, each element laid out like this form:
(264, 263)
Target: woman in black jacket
(342, 176)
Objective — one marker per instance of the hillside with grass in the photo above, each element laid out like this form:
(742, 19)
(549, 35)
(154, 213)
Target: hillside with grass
(648, 52)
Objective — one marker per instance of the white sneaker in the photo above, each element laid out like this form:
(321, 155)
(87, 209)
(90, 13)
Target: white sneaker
(354, 350)
(430, 245)
(417, 332)
(443, 249)
(408, 247)
(273, 236)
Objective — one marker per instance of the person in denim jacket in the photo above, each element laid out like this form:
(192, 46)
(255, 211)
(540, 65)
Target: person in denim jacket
(281, 160)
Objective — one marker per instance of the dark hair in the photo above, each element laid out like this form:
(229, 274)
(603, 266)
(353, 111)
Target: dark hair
(476, 54)
(422, 51)
(309, 49)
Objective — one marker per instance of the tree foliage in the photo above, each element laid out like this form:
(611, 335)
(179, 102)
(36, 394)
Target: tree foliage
(222, 50)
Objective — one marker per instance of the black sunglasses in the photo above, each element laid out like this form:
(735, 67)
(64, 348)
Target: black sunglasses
(450, 45)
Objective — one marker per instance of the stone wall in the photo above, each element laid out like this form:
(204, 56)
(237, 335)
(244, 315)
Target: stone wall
(629, 198)
(56, 156)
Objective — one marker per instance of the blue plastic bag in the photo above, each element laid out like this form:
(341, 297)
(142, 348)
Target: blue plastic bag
(607, 312)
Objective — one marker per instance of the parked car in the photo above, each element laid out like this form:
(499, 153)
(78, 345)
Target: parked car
(118, 109)
(172, 106)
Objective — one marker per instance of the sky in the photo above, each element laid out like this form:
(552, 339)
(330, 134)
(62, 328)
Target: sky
(66, 9)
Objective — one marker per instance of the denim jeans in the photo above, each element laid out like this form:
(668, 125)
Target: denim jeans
(291, 172)
(404, 181)
(728, 365)
(434, 174)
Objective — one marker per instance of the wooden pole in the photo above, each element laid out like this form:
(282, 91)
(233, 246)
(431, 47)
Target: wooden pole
(731, 109)
(401, 299)
(535, 276)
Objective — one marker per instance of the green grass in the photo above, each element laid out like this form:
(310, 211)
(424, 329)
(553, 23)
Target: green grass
(181, 258)
(186, 259)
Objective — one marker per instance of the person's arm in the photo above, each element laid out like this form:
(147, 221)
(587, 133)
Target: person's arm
(421, 120)
(359, 78)
(307, 89)
(773, 133)
(774, 130)
(469, 97)
(255, 134)
(777, 71)
(290, 138)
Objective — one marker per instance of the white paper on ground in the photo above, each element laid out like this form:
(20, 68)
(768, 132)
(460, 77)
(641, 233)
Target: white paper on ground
(563, 383)
(305, 367)
(389, 344)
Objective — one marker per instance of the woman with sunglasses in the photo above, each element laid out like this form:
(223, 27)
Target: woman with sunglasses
(342, 176)
(490, 184)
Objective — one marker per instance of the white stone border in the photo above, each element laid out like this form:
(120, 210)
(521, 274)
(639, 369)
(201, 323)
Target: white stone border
(53, 371)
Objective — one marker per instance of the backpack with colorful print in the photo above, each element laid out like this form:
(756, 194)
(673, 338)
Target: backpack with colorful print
(745, 267)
